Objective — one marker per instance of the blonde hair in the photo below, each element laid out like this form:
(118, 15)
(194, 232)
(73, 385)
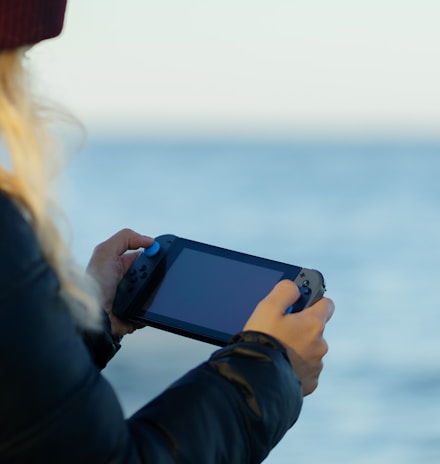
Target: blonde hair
(32, 163)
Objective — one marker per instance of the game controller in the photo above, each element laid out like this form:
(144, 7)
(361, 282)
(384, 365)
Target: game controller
(311, 286)
(135, 283)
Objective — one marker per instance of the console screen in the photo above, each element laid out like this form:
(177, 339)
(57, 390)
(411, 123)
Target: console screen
(211, 291)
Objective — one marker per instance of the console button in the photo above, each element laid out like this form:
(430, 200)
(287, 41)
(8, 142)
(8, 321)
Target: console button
(152, 250)
(306, 291)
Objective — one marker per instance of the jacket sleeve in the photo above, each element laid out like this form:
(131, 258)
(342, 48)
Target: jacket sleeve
(232, 409)
(57, 407)
(100, 343)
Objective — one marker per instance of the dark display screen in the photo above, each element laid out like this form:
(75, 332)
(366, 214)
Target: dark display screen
(210, 291)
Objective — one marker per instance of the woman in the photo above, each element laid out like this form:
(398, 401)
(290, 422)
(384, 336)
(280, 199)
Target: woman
(55, 405)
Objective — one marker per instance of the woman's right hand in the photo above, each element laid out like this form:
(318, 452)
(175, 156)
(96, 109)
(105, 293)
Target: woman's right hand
(300, 333)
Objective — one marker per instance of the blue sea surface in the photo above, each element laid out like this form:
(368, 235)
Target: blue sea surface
(365, 213)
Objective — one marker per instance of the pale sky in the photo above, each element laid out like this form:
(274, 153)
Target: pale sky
(244, 66)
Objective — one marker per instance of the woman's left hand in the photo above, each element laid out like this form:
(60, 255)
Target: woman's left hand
(108, 264)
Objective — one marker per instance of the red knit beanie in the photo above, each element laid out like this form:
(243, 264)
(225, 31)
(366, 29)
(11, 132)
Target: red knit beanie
(27, 22)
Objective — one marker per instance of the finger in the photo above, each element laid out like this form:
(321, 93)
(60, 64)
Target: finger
(283, 295)
(323, 309)
(126, 239)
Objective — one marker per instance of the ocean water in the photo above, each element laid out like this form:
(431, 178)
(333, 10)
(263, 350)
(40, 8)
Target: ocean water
(366, 214)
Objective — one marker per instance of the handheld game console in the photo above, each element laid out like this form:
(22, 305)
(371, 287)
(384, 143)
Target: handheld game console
(203, 291)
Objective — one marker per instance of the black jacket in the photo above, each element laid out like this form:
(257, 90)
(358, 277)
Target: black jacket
(56, 407)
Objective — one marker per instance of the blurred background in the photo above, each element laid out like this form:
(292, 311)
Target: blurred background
(302, 131)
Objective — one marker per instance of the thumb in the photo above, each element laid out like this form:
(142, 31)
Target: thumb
(284, 294)
(125, 239)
